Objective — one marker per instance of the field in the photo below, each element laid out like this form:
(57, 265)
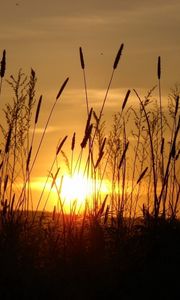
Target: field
(124, 242)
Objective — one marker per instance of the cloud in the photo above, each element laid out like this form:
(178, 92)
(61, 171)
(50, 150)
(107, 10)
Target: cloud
(19, 33)
(63, 20)
(50, 129)
(48, 35)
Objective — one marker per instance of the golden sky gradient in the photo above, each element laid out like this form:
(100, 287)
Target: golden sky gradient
(46, 35)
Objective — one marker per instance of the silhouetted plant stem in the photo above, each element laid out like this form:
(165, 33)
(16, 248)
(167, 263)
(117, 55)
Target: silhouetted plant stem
(114, 138)
(14, 146)
(161, 127)
(47, 178)
(47, 122)
(116, 62)
(84, 77)
(2, 68)
(171, 156)
(72, 151)
(156, 205)
(43, 134)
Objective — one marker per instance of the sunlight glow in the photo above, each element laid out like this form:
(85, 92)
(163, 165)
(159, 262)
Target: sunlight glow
(76, 187)
(71, 190)
(79, 188)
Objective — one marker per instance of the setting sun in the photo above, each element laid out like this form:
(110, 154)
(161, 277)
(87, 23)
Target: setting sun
(71, 190)
(76, 187)
(80, 188)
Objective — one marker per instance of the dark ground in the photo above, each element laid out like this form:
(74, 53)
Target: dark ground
(144, 265)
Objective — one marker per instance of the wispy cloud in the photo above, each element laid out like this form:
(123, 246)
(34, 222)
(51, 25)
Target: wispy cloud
(58, 22)
(18, 33)
(50, 129)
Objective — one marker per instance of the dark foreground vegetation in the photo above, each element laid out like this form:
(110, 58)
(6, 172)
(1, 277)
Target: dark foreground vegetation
(105, 262)
(123, 245)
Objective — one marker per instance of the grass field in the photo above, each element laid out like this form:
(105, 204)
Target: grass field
(123, 243)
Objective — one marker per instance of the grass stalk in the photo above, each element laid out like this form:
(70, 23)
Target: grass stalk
(156, 204)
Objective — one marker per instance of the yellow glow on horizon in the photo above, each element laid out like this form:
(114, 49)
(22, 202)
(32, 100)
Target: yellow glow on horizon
(71, 194)
(75, 190)
(78, 188)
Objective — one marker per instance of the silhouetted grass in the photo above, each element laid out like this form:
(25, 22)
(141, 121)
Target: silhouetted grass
(110, 248)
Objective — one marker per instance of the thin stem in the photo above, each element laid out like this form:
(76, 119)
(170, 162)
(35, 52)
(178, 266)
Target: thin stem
(85, 89)
(156, 206)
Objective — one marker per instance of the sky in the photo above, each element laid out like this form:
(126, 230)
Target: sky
(46, 36)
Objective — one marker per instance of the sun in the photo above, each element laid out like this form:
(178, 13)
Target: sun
(81, 190)
(70, 192)
(76, 188)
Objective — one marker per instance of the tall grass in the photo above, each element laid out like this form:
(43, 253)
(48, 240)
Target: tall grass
(107, 155)
(138, 156)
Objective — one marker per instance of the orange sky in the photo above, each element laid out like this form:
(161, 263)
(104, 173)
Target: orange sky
(46, 35)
